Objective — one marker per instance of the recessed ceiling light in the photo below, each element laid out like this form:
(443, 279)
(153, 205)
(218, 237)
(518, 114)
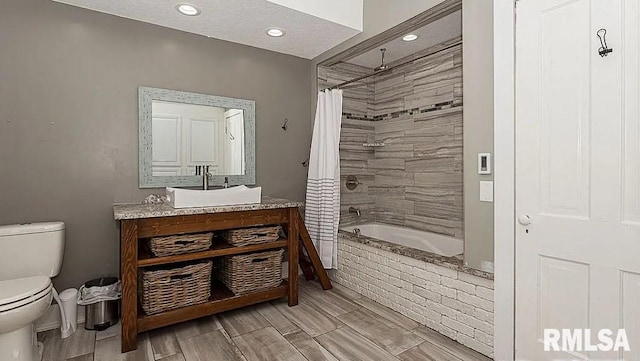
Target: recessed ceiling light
(275, 32)
(410, 37)
(186, 9)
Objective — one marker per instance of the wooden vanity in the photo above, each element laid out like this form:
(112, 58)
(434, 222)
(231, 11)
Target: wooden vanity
(141, 222)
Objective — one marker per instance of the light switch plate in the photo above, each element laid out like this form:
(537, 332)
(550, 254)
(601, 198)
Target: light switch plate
(486, 191)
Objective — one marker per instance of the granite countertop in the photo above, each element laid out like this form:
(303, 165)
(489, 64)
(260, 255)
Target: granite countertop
(454, 263)
(139, 211)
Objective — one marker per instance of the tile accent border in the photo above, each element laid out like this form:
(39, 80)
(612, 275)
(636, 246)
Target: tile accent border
(453, 303)
(430, 108)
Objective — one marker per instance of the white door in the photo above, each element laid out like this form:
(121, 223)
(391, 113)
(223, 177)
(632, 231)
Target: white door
(577, 174)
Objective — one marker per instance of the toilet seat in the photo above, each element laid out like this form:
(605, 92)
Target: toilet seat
(23, 291)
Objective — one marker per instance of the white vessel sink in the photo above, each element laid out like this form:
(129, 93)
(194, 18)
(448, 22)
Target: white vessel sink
(187, 198)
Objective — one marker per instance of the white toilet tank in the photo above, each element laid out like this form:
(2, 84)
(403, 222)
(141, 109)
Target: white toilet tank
(31, 249)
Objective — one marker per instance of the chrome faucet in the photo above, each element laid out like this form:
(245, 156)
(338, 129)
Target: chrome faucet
(206, 176)
(354, 210)
(226, 182)
(356, 231)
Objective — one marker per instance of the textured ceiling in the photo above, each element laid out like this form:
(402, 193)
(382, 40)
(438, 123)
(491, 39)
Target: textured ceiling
(239, 21)
(441, 30)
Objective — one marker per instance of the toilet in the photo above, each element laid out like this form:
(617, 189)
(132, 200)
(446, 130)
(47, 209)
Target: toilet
(30, 254)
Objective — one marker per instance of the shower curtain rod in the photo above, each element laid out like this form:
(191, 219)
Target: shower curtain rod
(393, 67)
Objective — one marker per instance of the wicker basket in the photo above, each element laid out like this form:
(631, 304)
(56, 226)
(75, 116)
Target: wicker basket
(168, 289)
(184, 243)
(254, 235)
(248, 273)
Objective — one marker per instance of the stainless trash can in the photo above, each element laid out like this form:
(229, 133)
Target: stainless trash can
(104, 314)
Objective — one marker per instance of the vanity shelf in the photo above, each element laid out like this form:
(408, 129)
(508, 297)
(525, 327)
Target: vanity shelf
(138, 223)
(145, 259)
(221, 300)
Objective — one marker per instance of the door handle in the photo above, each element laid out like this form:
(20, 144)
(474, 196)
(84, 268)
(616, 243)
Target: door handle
(524, 219)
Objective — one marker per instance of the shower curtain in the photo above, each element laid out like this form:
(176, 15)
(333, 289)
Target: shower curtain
(322, 208)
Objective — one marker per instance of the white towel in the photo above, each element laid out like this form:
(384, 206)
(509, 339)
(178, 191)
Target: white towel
(322, 208)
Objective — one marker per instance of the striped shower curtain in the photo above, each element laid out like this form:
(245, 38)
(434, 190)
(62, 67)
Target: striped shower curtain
(322, 208)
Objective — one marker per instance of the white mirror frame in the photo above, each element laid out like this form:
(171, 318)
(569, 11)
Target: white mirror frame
(145, 98)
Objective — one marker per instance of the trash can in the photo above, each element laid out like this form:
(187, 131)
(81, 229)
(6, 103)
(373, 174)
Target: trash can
(101, 298)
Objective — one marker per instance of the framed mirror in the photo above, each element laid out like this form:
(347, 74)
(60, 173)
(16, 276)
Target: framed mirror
(180, 131)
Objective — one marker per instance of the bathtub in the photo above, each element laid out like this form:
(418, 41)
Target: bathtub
(412, 238)
(420, 275)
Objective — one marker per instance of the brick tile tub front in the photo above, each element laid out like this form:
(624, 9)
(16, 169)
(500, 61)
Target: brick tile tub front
(457, 304)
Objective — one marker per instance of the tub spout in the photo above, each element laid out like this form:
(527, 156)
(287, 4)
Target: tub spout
(354, 210)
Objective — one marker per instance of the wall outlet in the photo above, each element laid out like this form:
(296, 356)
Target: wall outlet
(486, 191)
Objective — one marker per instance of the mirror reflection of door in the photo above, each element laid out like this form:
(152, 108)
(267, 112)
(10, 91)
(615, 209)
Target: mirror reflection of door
(234, 122)
(186, 135)
(167, 134)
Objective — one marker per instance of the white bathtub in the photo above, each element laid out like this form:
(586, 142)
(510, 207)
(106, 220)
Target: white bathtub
(424, 241)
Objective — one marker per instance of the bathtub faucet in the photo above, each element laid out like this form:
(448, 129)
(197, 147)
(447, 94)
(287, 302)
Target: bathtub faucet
(354, 210)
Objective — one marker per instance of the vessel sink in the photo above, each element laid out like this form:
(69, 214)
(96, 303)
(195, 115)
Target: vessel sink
(187, 198)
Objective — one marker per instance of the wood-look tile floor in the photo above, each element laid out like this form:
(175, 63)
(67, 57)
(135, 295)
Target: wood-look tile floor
(327, 325)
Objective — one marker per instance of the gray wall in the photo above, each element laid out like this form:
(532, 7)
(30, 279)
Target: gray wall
(477, 28)
(68, 117)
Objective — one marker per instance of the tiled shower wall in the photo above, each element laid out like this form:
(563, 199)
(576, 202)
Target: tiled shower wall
(418, 174)
(415, 180)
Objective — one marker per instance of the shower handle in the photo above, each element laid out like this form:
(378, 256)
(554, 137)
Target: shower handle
(352, 182)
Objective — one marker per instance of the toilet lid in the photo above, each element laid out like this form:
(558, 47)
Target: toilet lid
(18, 289)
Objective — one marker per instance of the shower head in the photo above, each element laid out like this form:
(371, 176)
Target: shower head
(382, 66)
